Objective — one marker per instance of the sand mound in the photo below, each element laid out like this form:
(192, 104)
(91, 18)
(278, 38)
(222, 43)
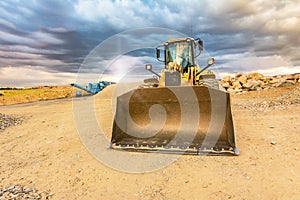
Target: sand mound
(107, 92)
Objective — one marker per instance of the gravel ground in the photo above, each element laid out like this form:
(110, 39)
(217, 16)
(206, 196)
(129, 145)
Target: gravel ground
(15, 192)
(8, 120)
(291, 97)
(47, 153)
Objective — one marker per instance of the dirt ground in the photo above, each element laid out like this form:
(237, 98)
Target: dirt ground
(46, 153)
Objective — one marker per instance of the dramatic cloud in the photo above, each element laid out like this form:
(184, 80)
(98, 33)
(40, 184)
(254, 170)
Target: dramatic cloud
(27, 77)
(55, 37)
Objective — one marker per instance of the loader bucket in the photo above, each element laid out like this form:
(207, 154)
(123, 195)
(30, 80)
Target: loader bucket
(182, 120)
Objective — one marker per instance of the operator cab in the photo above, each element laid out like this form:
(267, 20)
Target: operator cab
(181, 52)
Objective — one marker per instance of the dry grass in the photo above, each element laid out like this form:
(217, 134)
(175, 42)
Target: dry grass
(15, 96)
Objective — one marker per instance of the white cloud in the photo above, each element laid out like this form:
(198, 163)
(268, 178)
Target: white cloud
(15, 49)
(37, 38)
(7, 23)
(19, 55)
(244, 35)
(125, 66)
(267, 65)
(46, 38)
(13, 38)
(59, 29)
(122, 15)
(27, 77)
(6, 14)
(273, 71)
(20, 59)
(279, 70)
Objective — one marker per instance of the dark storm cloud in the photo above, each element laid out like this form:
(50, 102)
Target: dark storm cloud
(44, 32)
(57, 36)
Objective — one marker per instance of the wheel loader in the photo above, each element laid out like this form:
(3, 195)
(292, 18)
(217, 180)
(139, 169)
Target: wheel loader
(182, 110)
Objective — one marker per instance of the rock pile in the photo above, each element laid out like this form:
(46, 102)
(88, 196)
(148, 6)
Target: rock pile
(21, 192)
(8, 120)
(289, 98)
(256, 81)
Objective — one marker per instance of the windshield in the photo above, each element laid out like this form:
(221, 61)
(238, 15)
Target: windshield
(181, 53)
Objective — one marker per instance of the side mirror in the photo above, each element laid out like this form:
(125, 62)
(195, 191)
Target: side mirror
(148, 67)
(211, 61)
(200, 45)
(157, 53)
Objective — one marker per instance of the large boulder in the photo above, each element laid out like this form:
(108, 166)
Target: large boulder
(225, 84)
(284, 83)
(236, 84)
(251, 84)
(289, 77)
(267, 79)
(238, 75)
(255, 76)
(227, 78)
(274, 81)
(242, 79)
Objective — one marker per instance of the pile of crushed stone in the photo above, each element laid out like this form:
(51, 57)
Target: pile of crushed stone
(9, 120)
(287, 98)
(22, 192)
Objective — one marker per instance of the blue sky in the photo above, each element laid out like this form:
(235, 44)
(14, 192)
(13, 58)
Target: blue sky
(46, 42)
